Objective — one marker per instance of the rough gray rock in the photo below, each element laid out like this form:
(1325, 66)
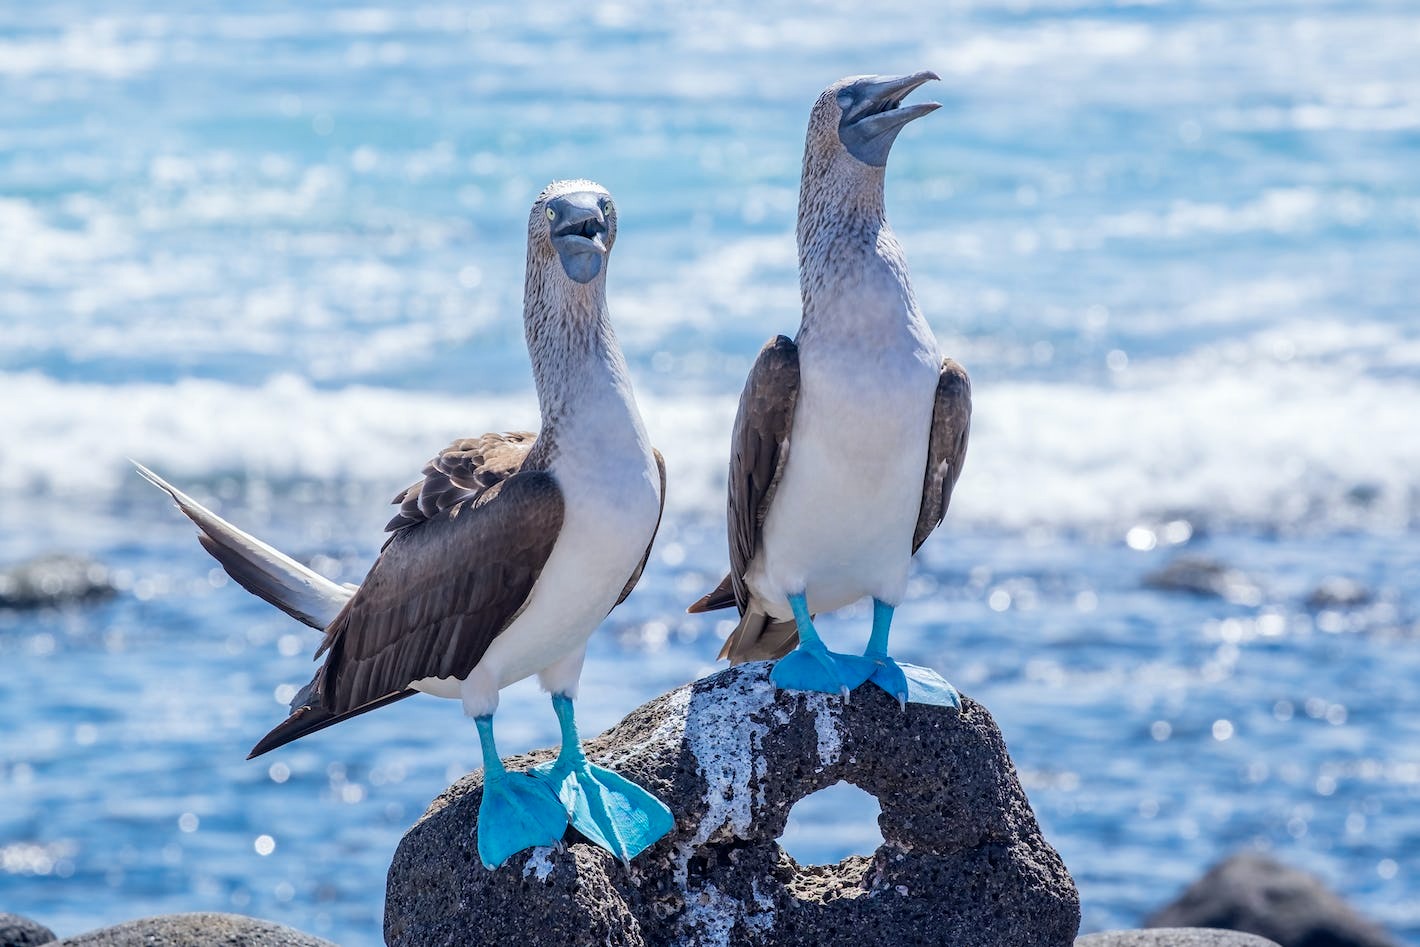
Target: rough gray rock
(52, 580)
(1208, 578)
(962, 861)
(196, 930)
(1174, 937)
(1339, 592)
(1251, 892)
(17, 931)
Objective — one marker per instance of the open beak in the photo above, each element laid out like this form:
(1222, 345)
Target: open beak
(875, 114)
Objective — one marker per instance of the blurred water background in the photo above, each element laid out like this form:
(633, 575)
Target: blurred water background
(277, 254)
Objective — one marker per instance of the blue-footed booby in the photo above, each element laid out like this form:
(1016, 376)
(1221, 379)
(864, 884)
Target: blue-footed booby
(502, 560)
(849, 438)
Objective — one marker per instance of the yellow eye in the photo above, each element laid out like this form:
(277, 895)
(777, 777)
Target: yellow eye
(606, 205)
(551, 214)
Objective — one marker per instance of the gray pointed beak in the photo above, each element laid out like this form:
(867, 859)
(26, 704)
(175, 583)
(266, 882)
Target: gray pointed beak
(579, 230)
(873, 113)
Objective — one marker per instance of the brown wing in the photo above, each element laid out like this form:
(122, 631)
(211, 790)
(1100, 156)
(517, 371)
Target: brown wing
(462, 471)
(759, 448)
(636, 576)
(946, 451)
(433, 602)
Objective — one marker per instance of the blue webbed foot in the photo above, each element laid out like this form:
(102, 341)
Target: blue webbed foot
(909, 683)
(914, 684)
(811, 666)
(609, 809)
(819, 669)
(517, 812)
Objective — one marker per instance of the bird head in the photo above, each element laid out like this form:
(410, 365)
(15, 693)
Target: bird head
(860, 116)
(576, 220)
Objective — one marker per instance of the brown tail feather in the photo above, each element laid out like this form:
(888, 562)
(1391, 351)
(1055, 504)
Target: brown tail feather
(760, 638)
(308, 719)
(723, 596)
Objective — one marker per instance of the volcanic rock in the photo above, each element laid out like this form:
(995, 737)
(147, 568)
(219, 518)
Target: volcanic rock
(962, 860)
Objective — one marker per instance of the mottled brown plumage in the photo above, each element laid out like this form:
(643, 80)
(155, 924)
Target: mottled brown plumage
(462, 471)
(428, 608)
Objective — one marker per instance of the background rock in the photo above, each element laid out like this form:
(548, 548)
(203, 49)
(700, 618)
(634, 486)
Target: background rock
(1209, 578)
(55, 579)
(1174, 937)
(17, 931)
(196, 930)
(962, 861)
(1339, 592)
(1251, 892)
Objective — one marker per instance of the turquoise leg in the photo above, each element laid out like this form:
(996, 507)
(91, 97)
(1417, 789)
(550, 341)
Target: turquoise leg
(517, 811)
(909, 683)
(811, 666)
(608, 809)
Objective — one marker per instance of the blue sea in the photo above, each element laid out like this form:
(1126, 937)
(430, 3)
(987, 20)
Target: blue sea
(276, 253)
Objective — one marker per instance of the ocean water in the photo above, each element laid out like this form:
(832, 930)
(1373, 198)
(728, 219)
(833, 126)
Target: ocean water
(277, 253)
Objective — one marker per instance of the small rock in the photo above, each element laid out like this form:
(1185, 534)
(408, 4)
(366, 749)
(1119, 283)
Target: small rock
(1199, 575)
(1339, 592)
(17, 931)
(962, 860)
(52, 580)
(196, 930)
(1257, 894)
(1174, 937)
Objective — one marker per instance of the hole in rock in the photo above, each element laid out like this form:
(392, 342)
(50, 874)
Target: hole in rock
(827, 826)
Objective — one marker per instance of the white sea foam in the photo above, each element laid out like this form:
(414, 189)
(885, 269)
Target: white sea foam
(1258, 439)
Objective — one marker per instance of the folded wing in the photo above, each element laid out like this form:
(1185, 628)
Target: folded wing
(435, 599)
(759, 448)
(946, 451)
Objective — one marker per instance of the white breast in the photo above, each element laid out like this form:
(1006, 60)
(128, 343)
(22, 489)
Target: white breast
(841, 523)
(604, 534)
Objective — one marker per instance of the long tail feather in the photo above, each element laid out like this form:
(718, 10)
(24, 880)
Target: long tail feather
(263, 571)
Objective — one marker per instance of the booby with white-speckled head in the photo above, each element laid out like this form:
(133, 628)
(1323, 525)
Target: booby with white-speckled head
(849, 438)
(503, 559)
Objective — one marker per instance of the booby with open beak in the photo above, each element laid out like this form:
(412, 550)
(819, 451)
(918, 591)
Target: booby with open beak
(849, 438)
